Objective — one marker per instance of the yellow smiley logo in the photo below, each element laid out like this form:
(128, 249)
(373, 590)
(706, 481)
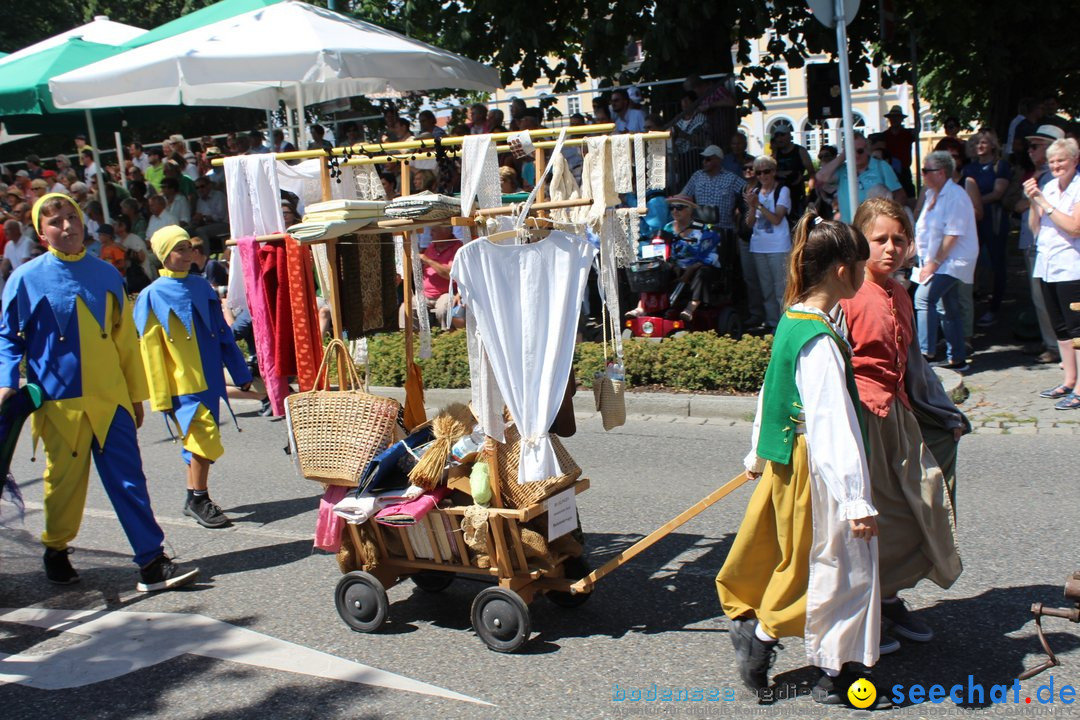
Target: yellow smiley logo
(862, 693)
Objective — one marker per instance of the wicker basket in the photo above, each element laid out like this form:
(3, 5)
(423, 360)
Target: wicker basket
(337, 432)
(515, 494)
(610, 400)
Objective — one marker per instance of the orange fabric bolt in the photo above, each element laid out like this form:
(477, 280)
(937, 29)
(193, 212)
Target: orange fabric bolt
(305, 315)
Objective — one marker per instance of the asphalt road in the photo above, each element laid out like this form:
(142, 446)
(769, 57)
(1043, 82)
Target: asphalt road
(656, 620)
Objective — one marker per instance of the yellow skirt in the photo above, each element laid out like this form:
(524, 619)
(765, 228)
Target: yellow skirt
(766, 572)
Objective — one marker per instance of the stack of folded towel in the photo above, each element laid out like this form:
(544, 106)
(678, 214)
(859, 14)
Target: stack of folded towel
(334, 218)
(424, 206)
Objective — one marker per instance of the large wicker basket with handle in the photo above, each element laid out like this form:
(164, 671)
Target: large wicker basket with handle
(335, 433)
(518, 495)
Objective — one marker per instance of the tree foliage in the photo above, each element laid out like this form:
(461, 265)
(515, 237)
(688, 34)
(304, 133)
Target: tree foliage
(975, 58)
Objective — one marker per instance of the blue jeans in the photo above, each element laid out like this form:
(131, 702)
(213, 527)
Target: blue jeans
(946, 290)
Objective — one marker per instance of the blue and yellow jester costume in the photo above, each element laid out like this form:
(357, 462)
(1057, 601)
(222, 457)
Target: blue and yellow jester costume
(68, 316)
(185, 344)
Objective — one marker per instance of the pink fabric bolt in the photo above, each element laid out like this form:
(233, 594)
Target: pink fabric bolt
(277, 387)
(329, 525)
(407, 513)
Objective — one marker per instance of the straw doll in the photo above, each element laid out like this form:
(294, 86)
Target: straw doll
(804, 562)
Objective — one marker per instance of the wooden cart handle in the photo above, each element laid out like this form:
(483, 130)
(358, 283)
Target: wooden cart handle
(586, 583)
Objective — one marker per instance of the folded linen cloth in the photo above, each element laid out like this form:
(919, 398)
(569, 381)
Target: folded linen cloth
(407, 513)
(307, 232)
(359, 208)
(423, 206)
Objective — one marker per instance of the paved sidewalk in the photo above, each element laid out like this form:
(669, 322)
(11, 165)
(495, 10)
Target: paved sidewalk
(1003, 395)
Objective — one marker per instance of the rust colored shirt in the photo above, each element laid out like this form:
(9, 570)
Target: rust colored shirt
(880, 326)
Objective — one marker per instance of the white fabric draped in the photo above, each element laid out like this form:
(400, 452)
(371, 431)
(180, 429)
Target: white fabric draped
(251, 183)
(479, 174)
(525, 300)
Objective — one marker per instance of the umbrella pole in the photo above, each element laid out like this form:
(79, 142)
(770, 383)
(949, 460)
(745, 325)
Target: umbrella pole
(120, 158)
(97, 161)
(301, 126)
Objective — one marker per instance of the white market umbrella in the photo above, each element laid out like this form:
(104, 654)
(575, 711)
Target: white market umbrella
(281, 52)
(101, 30)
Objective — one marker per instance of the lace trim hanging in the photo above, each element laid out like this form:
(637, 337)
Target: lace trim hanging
(621, 163)
(657, 164)
(419, 300)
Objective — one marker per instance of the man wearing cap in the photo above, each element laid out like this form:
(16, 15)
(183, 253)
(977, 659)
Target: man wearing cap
(64, 313)
(793, 168)
(22, 181)
(53, 181)
(1037, 143)
(155, 170)
(38, 188)
(871, 172)
(714, 186)
(898, 142)
(185, 346)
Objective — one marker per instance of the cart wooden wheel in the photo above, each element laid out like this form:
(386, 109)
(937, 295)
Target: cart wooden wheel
(433, 581)
(361, 601)
(574, 568)
(501, 619)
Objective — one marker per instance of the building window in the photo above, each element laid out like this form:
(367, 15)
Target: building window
(779, 88)
(814, 136)
(573, 104)
(927, 124)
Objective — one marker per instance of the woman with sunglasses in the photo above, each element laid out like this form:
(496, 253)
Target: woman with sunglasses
(947, 245)
(768, 205)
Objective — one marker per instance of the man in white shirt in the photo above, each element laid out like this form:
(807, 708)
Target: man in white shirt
(90, 169)
(211, 212)
(138, 158)
(159, 216)
(626, 118)
(175, 202)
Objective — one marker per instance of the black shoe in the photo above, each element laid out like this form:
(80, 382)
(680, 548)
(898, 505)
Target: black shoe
(163, 574)
(857, 674)
(831, 690)
(206, 513)
(758, 656)
(904, 624)
(266, 410)
(58, 568)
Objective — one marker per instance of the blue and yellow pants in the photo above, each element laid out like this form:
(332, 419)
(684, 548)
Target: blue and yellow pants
(118, 462)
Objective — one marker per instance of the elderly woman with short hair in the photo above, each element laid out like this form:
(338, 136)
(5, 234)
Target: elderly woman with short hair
(1055, 221)
(767, 207)
(947, 245)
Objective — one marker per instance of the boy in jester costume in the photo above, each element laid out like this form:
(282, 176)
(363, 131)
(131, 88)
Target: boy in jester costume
(66, 313)
(185, 345)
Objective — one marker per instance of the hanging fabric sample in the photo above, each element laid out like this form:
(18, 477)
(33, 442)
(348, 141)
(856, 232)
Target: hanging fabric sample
(277, 386)
(479, 174)
(307, 338)
(525, 300)
(366, 285)
(275, 283)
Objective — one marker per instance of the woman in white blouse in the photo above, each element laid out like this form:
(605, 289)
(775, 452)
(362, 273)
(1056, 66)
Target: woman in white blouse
(948, 245)
(768, 205)
(1055, 221)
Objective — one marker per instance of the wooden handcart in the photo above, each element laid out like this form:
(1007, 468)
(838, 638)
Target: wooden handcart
(375, 557)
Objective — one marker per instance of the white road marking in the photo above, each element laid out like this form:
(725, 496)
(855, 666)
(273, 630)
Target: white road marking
(121, 642)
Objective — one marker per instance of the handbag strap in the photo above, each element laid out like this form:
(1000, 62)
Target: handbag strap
(352, 379)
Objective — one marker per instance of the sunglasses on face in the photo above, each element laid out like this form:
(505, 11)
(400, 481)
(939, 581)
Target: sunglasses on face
(860, 151)
(748, 168)
(759, 173)
(679, 207)
(927, 171)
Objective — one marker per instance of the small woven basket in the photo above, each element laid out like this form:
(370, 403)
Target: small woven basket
(337, 432)
(518, 495)
(610, 400)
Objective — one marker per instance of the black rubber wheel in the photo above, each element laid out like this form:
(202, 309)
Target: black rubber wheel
(574, 568)
(501, 619)
(361, 601)
(433, 581)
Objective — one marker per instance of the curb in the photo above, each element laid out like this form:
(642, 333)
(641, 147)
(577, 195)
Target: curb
(737, 408)
(727, 407)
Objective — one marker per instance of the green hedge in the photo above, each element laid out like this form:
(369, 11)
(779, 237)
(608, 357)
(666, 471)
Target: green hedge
(696, 361)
